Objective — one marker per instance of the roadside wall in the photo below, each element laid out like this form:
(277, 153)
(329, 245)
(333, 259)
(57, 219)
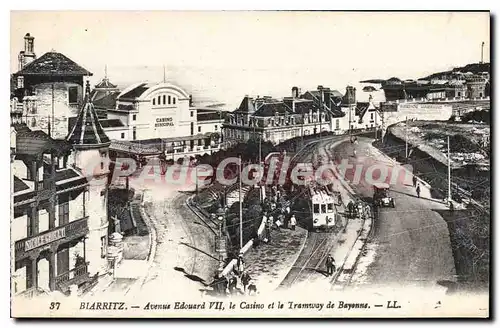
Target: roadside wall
(397, 112)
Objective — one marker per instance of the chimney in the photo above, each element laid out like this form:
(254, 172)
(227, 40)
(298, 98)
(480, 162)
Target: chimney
(327, 97)
(29, 50)
(295, 92)
(350, 96)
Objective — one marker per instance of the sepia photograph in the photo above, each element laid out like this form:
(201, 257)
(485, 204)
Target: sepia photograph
(250, 164)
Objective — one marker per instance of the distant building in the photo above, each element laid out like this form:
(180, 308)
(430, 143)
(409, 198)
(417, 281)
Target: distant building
(305, 114)
(49, 90)
(465, 86)
(145, 120)
(104, 96)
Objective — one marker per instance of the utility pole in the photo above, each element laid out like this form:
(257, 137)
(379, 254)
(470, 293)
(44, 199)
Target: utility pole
(382, 125)
(260, 149)
(449, 171)
(302, 132)
(406, 136)
(52, 119)
(196, 173)
(241, 208)
(350, 125)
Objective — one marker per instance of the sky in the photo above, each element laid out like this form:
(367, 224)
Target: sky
(230, 54)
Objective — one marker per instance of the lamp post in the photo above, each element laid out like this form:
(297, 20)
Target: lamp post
(221, 242)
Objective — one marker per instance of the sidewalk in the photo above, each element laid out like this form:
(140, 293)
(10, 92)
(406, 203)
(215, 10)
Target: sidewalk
(268, 264)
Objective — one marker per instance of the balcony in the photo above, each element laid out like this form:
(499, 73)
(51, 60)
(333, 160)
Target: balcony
(33, 292)
(76, 276)
(35, 244)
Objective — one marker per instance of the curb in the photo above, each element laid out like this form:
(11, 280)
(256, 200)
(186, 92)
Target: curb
(152, 250)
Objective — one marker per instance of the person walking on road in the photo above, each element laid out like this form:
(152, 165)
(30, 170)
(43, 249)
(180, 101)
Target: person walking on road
(414, 180)
(293, 222)
(330, 265)
(245, 280)
(240, 264)
(418, 190)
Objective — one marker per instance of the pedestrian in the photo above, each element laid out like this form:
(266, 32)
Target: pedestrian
(414, 180)
(269, 224)
(245, 280)
(293, 222)
(278, 223)
(232, 284)
(452, 207)
(418, 190)
(240, 263)
(340, 199)
(350, 209)
(330, 265)
(252, 288)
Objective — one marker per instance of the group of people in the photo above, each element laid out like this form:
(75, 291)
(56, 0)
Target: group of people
(277, 213)
(237, 282)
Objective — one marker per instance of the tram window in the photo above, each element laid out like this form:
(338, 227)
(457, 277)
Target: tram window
(330, 207)
(323, 208)
(316, 208)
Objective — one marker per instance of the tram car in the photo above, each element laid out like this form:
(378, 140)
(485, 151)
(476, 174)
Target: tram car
(324, 214)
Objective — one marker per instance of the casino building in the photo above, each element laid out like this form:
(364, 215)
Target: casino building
(148, 119)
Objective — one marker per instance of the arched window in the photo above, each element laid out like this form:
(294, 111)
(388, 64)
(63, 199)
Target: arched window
(154, 101)
(169, 100)
(159, 100)
(163, 99)
(173, 100)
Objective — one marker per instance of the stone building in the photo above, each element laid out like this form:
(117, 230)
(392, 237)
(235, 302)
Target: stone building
(50, 216)
(59, 206)
(305, 114)
(49, 90)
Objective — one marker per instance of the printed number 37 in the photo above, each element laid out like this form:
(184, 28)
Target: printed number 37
(55, 305)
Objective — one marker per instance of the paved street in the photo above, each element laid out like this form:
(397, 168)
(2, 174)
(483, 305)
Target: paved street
(185, 261)
(411, 244)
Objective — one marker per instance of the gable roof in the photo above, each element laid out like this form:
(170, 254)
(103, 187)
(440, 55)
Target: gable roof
(87, 130)
(361, 109)
(53, 64)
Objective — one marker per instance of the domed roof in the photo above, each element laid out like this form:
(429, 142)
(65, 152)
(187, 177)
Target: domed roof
(105, 84)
